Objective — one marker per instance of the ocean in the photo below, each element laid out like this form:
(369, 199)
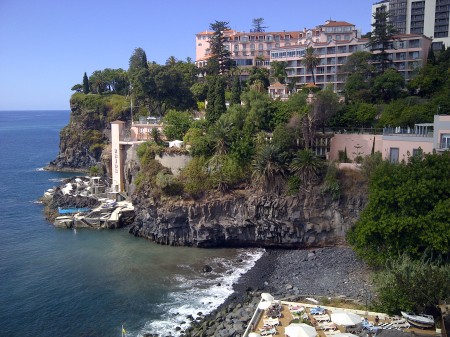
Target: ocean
(56, 282)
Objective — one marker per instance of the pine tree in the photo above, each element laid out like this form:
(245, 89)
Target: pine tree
(220, 60)
(85, 84)
(381, 37)
(211, 98)
(216, 99)
(258, 25)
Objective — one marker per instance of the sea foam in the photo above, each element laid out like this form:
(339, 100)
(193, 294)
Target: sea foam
(201, 293)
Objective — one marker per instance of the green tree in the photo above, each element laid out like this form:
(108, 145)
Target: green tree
(408, 210)
(388, 85)
(259, 75)
(278, 71)
(258, 25)
(407, 284)
(220, 61)
(307, 166)
(97, 82)
(216, 99)
(77, 88)
(140, 76)
(381, 37)
(221, 133)
(236, 91)
(200, 91)
(268, 169)
(176, 124)
(85, 84)
(311, 60)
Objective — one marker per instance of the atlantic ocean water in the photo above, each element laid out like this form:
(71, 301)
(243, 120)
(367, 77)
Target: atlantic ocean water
(56, 282)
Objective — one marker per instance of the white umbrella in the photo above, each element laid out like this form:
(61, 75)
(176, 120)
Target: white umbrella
(345, 318)
(344, 334)
(254, 334)
(300, 330)
(263, 305)
(267, 297)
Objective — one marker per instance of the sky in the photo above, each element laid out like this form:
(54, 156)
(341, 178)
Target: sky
(47, 45)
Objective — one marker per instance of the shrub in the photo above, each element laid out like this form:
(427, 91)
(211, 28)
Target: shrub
(195, 178)
(331, 184)
(169, 184)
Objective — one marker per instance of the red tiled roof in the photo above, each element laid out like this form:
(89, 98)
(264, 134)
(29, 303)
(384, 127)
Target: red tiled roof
(277, 85)
(205, 33)
(337, 23)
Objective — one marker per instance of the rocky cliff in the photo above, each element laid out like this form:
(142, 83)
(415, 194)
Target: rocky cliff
(84, 139)
(309, 219)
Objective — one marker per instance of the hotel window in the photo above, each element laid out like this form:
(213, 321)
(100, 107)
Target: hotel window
(393, 154)
(244, 46)
(199, 44)
(347, 37)
(338, 37)
(277, 45)
(252, 46)
(445, 141)
(236, 47)
(260, 46)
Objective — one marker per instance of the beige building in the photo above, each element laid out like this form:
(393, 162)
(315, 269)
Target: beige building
(395, 144)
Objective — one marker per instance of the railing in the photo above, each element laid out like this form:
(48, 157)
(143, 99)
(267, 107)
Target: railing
(255, 318)
(406, 132)
(370, 131)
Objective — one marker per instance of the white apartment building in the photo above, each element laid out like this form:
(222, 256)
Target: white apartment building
(427, 17)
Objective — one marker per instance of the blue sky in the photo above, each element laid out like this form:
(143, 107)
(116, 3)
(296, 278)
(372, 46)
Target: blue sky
(47, 45)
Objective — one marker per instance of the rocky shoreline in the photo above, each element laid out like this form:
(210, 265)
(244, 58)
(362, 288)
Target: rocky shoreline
(287, 275)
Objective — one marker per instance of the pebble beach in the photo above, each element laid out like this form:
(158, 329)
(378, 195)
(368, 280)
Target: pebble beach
(287, 275)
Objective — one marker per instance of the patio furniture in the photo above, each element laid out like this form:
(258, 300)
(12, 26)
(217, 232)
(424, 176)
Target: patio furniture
(322, 318)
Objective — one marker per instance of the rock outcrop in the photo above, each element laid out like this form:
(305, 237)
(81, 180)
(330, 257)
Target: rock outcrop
(310, 219)
(83, 142)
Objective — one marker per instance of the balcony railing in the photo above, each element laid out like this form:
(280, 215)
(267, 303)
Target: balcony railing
(405, 132)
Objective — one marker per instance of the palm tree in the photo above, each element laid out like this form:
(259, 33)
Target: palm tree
(268, 169)
(221, 134)
(307, 165)
(171, 61)
(311, 61)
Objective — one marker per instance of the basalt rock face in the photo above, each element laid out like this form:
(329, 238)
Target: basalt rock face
(306, 220)
(83, 142)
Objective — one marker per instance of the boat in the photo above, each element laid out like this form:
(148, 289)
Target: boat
(421, 320)
(64, 221)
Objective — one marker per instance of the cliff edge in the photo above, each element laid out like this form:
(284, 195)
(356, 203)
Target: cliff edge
(247, 218)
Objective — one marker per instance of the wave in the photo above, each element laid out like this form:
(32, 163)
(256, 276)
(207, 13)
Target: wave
(39, 169)
(201, 292)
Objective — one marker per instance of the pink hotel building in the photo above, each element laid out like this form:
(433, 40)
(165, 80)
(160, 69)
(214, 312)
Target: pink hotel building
(333, 42)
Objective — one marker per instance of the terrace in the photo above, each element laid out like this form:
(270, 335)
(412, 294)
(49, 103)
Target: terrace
(273, 318)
